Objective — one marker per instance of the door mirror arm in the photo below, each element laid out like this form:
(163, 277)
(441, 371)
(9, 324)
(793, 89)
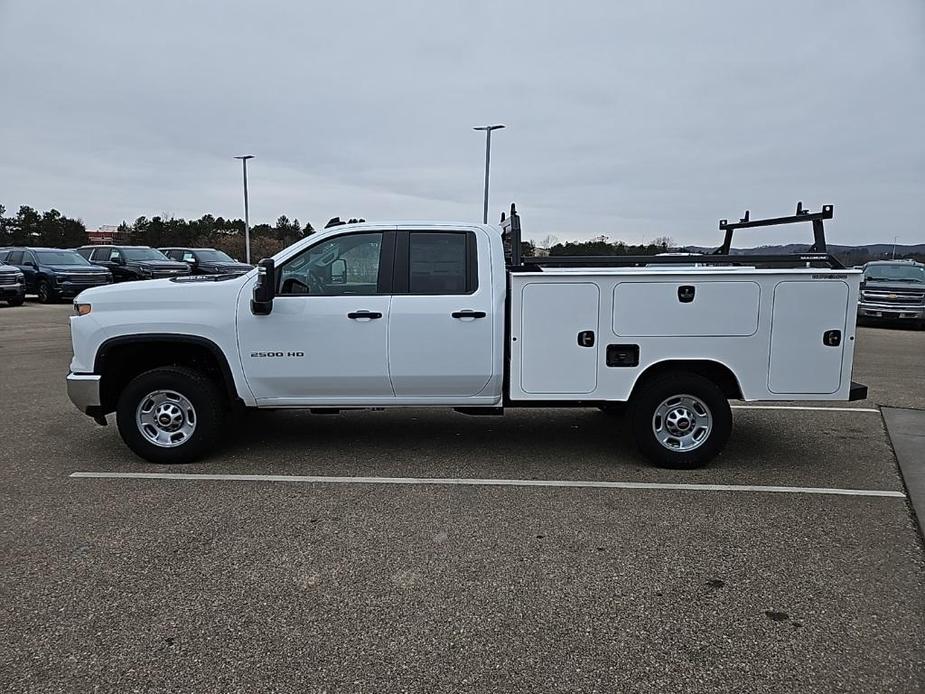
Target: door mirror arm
(265, 289)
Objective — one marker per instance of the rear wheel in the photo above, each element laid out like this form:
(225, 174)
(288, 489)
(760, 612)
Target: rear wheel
(680, 420)
(170, 415)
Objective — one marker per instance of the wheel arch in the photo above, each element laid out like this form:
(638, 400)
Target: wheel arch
(119, 359)
(714, 370)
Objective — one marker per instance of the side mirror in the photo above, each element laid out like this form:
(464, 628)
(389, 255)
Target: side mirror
(265, 289)
(339, 271)
(119, 261)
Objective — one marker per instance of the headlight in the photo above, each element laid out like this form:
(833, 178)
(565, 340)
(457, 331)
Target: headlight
(82, 309)
(145, 272)
(20, 277)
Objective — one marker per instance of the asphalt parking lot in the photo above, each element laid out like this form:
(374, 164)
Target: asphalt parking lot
(247, 585)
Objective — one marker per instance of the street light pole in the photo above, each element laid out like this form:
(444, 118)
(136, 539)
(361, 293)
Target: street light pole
(247, 222)
(487, 129)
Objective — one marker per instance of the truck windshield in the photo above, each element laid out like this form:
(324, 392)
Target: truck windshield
(61, 258)
(143, 254)
(895, 273)
(214, 256)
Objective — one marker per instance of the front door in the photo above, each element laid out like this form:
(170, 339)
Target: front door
(113, 260)
(440, 329)
(326, 340)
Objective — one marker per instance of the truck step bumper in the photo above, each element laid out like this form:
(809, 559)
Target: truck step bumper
(858, 391)
(84, 391)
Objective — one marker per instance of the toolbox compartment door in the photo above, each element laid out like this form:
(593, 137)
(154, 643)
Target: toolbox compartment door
(556, 318)
(680, 308)
(808, 318)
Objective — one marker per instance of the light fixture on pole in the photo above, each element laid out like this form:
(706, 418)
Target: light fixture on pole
(247, 222)
(487, 129)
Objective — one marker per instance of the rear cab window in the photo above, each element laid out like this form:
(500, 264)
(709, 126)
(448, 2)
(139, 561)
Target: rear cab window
(437, 263)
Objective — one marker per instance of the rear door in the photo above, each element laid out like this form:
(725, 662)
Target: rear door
(808, 328)
(440, 330)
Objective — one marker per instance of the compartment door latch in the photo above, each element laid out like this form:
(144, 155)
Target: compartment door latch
(685, 294)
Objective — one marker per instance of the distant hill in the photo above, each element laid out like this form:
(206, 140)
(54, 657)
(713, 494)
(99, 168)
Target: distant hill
(850, 255)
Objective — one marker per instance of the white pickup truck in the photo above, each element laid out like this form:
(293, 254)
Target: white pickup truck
(432, 314)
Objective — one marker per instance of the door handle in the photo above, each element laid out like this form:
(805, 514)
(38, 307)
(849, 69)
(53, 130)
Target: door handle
(468, 314)
(586, 338)
(364, 314)
(831, 338)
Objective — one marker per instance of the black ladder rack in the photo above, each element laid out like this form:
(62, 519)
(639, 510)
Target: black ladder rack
(816, 256)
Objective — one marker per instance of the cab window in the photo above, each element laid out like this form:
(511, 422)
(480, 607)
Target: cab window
(441, 263)
(349, 264)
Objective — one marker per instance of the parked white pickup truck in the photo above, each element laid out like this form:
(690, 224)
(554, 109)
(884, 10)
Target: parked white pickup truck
(425, 314)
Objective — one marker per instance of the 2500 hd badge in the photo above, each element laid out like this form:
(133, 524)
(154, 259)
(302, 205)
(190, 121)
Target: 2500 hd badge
(277, 354)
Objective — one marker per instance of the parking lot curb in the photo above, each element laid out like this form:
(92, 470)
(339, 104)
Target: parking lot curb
(906, 429)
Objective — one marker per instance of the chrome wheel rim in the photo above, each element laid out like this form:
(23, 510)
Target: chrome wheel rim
(166, 418)
(682, 423)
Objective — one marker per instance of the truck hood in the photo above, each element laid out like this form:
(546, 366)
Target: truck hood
(163, 294)
(79, 269)
(226, 267)
(159, 264)
(894, 286)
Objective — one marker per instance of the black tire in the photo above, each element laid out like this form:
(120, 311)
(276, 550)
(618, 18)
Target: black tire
(18, 301)
(209, 407)
(46, 293)
(654, 393)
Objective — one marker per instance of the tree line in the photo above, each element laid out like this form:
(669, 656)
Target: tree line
(30, 227)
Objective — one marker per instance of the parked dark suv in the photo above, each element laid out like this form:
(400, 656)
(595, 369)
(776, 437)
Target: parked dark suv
(55, 273)
(893, 290)
(207, 261)
(12, 283)
(129, 263)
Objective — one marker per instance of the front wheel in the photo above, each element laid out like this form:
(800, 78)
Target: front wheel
(46, 293)
(170, 415)
(680, 420)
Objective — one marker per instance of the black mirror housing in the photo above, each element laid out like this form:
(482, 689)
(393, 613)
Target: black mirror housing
(265, 289)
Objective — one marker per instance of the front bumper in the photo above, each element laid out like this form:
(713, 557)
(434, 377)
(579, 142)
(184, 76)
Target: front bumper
(868, 309)
(858, 391)
(68, 288)
(84, 391)
(12, 291)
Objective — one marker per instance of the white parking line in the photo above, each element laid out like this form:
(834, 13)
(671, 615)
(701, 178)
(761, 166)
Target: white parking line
(204, 477)
(821, 408)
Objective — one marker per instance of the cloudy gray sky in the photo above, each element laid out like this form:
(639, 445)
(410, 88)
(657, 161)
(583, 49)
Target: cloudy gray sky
(629, 119)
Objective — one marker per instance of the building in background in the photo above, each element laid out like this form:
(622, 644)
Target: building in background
(106, 234)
